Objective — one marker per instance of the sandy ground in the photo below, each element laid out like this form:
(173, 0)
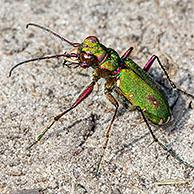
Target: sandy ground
(38, 91)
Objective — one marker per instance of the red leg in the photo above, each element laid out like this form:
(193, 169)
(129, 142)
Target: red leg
(149, 64)
(81, 97)
(127, 53)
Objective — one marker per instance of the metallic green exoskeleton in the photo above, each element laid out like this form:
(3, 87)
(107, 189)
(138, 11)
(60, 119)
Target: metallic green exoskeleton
(132, 81)
(123, 77)
(142, 91)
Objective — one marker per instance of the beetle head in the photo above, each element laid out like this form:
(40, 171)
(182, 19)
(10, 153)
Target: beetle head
(91, 52)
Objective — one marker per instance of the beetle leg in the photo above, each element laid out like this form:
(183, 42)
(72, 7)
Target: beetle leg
(111, 98)
(149, 64)
(81, 97)
(127, 53)
(169, 150)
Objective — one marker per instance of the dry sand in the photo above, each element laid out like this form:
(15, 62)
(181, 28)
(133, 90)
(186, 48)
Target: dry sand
(38, 91)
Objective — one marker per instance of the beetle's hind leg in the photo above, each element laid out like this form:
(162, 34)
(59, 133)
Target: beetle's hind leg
(127, 53)
(169, 150)
(149, 64)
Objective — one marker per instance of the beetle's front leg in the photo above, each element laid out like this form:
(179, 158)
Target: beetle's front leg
(111, 98)
(81, 97)
(149, 64)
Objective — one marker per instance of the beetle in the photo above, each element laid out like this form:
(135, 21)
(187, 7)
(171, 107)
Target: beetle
(123, 77)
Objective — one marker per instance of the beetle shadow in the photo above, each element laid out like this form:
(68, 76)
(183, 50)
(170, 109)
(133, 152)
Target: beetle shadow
(83, 134)
(178, 103)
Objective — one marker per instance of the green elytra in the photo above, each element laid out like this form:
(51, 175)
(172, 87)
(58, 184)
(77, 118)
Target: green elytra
(124, 77)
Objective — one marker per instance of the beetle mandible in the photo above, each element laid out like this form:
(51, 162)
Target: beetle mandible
(123, 77)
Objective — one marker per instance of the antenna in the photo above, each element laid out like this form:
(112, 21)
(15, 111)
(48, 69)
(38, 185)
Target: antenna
(54, 33)
(42, 58)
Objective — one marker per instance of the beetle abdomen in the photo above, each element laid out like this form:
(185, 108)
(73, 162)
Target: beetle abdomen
(148, 97)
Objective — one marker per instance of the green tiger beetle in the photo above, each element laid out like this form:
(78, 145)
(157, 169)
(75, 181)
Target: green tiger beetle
(123, 78)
